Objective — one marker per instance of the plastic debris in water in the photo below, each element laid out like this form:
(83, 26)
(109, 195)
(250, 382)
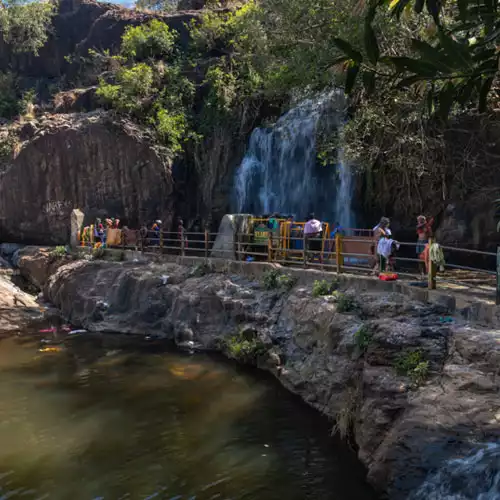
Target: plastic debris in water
(50, 349)
(446, 319)
(48, 330)
(164, 279)
(75, 332)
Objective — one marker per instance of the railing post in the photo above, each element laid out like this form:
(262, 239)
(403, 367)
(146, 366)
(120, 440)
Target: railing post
(161, 241)
(338, 252)
(431, 278)
(304, 249)
(182, 242)
(206, 244)
(238, 246)
(498, 276)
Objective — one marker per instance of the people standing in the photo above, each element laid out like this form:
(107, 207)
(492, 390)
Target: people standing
(381, 230)
(312, 233)
(424, 232)
(181, 235)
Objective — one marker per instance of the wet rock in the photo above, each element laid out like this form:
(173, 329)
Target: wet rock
(18, 310)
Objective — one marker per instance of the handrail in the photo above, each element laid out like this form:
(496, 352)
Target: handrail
(341, 253)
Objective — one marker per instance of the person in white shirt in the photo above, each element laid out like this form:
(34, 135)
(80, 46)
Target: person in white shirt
(386, 246)
(312, 234)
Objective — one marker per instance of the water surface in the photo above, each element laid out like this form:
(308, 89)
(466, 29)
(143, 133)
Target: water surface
(104, 417)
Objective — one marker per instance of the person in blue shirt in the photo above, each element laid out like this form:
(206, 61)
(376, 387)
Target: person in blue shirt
(337, 229)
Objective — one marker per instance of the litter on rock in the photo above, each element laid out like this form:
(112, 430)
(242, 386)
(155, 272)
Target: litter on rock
(75, 332)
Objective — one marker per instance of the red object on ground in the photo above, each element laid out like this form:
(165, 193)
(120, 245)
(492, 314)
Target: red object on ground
(388, 276)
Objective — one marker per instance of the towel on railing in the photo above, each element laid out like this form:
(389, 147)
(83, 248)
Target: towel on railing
(436, 255)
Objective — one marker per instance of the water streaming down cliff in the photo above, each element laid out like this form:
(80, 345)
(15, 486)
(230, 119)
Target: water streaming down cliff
(474, 477)
(281, 172)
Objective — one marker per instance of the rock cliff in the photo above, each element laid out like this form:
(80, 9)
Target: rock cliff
(87, 161)
(80, 25)
(314, 347)
(74, 155)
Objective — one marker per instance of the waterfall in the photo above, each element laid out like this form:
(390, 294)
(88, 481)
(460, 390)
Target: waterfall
(343, 211)
(474, 477)
(281, 173)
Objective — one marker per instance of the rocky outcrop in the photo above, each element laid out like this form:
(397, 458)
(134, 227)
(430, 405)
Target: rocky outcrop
(18, 309)
(80, 25)
(36, 264)
(87, 161)
(314, 347)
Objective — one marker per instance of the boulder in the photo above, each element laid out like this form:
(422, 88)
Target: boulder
(86, 161)
(226, 243)
(17, 308)
(37, 264)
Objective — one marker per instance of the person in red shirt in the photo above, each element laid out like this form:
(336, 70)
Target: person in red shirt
(424, 232)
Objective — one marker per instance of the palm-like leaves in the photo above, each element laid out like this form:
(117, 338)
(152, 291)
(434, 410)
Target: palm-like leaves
(458, 65)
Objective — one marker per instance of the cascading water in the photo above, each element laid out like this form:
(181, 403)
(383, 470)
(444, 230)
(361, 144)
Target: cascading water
(281, 172)
(475, 477)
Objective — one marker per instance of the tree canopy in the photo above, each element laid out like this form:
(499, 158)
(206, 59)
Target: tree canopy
(452, 62)
(24, 24)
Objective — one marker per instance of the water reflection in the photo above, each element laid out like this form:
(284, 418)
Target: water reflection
(101, 418)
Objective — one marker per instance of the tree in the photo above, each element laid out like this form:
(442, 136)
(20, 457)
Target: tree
(453, 62)
(24, 24)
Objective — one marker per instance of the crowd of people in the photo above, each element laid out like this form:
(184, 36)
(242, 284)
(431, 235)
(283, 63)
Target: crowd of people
(385, 247)
(311, 235)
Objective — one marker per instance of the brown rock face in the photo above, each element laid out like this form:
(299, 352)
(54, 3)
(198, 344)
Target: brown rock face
(83, 161)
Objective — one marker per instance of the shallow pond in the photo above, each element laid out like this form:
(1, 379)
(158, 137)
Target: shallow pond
(110, 417)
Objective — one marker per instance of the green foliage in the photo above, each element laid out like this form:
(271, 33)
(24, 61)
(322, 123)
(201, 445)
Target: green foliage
(25, 24)
(363, 338)
(59, 251)
(412, 365)
(151, 40)
(98, 253)
(10, 104)
(8, 145)
(279, 45)
(323, 287)
(270, 279)
(132, 84)
(27, 102)
(13, 102)
(452, 63)
(345, 417)
(287, 281)
(148, 86)
(273, 279)
(171, 129)
(245, 350)
(114, 255)
(201, 269)
(345, 303)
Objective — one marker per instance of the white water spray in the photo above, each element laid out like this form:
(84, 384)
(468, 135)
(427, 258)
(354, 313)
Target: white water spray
(280, 172)
(474, 477)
